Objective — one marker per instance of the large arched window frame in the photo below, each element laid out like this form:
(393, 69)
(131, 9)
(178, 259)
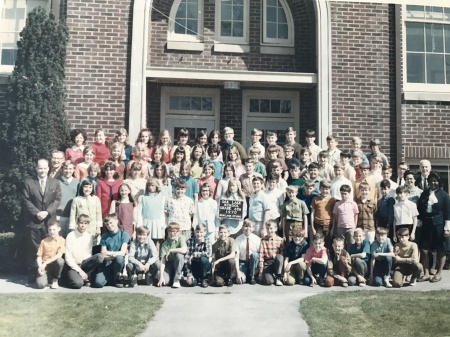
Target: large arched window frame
(232, 22)
(277, 24)
(186, 25)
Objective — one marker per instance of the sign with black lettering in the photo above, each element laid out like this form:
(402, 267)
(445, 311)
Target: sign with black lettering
(231, 209)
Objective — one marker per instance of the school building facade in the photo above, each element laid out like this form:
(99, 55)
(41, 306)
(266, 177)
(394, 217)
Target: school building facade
(372, 70)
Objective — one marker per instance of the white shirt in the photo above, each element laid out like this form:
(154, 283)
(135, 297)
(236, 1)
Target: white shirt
(241, 242)
(205, 213)
(404, 212)
(276, 200)
(78, 248)
(336, 184)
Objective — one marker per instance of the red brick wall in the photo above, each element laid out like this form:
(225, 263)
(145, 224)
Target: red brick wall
(98, 60)
(363, 74)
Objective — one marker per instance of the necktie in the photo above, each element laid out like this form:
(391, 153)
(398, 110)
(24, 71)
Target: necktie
(247, 250)
(42, 185)
(425, 185)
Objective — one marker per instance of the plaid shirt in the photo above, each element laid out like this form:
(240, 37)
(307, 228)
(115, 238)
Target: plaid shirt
(366, 215)
(197, 250)
(269, 249)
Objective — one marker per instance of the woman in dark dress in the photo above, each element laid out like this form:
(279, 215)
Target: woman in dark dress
(434, 212)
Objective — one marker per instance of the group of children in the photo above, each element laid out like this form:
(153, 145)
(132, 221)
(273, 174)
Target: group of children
(308, 216)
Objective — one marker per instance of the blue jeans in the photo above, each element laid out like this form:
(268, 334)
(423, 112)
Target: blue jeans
(248, 268)
(108, 272)
(381, 270)
(316, 269)
(200, 267)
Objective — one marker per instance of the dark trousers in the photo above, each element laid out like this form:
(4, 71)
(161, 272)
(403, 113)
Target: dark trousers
(318, 270)
(222, 272)
(271, 267)
(381, 270)
(135, 269)
(173, 269)
(34, 235)
(52, 271)
(200, 267)
(108, 272)
(73, 278)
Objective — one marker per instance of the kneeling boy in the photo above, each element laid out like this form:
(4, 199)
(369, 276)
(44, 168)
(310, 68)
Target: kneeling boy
(248, 259)
(406, 259)
(316, 259)
(382, 252)
(223, 258)
(197, 259)
(339, 265)
(270, 256)
(294, 258)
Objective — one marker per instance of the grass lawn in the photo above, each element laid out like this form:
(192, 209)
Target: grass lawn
(378, 313)
(102, 314)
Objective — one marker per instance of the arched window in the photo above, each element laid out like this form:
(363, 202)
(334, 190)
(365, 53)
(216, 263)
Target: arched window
(186, 21)
(278, 25)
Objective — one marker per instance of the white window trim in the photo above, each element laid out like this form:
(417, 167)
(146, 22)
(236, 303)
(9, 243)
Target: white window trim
(420, 91)
(248, 117)
(166, 92)
(289, 42)
(174, 37)
(231, 40)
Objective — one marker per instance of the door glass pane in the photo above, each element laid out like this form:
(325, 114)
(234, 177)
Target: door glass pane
(435, 68)
(434, 38)
(415, 65)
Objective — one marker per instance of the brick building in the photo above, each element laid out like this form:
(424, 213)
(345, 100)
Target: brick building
(344, 68)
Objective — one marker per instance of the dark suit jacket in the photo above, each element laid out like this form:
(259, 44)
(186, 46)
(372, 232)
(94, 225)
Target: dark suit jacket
(35, 201)
(418, 182)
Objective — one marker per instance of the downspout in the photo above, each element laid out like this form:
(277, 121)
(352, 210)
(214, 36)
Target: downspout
(398, 85)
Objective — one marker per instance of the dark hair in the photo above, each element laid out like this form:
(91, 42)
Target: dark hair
(108, 165)
(84, 183)
(313, 166)
(182, 133)
(227, 166)
(179, 149)
(345, 154)
(273, 176)
(310, 132)
(213, 148)
(435, 175)
(345, 188)
(212, 134)
(385, 184)
(200, 160)
(150, 137)
(407, 173)
(200, 134)
(76, 132)
(180, 183)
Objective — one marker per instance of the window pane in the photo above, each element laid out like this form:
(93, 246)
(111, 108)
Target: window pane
(435, 68)
(254, 105)
(238, 2)
(174, 103)
(196, 103)
(272, 3)
(434, 38)
(207, 104)
(9, 57)
(286, 106)
(447, 14)
(179, 26)
(283, 32)
(447, 38)
(434, 13)
(447, 68)
(185, 103)
(415, 65)
(192, 11)
(275, 106)
(225, 29)
(416, 12)
(238, 13)
(238, 29)
(226, 12)
(272, 14)
(264, 105)
(272, 30)
(414, 36)
(281, 15)
(192, 27)
(181, 11)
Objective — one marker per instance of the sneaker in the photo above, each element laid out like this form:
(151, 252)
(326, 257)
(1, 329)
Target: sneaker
(229, 283)
(133, 281)
(252, 281)
(176, 284)
(55, 284)
(204, 283)
(413, 281)
(148, 279)
(362, 284)
(278, 282)
(87, 284)
(119, 284)
(387, 284)
(345, 284)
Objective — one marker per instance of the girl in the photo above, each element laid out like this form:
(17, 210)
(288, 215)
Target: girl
(93, 174)
(165, 182)
(192, 186)
(165, 143)
(146, 137)
(234, 192)
(139, 151)
(157, 157)
(235, 159)
(208, 171)
(126, 210)
(150, 211)
(89, 204)
(222, 187)
(75, 153)
(174, 166)
(108, 186)
(81, 168)
(197, 156)
(206, 211)
(116, 158)
(135, 182)
(100, 147)
(122, 137)
(213, 154)
(182, 140)
(214, 138)
(202, 139)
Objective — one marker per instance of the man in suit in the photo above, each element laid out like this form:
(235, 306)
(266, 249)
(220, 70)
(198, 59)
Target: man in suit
(401, 169)
(421, 179)
(41, 198)
(57, 160)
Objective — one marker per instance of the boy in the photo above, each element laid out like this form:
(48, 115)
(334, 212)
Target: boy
(385, 206)
(349, 171)
(272, 158)
(373, 194)
(248, 257)
(339, 265)
(375, 148)
(386, 173)
(345, 216)
(375, 169)
(406, 260)
(326, 170)
(338, 181)
(305, 160)
(356, 147)
(311, 146)
(114, 245)
(180, 208)
(223, 258)
(271, 138)
(382, 253)
(259, 167)
(360, 255)
(258, 206)
(293, 213)
(333, 151)
(80, 263)
(197, 259)
(247, 177)
(275, 196)
(294, 175)
(294, 258)
(307, 195)
(69, 186)
(289, 152)
(313, 174)
(322, 212)
(316, 259)
(405, 214)
(49, 257)
(143, 258)
(172, 257)
(355, 162)
(290, 140)
(256, 135)
(367, 211)
(228, 135)
(270, 256)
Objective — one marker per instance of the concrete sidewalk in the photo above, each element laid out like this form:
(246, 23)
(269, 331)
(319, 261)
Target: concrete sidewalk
(242, 310)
